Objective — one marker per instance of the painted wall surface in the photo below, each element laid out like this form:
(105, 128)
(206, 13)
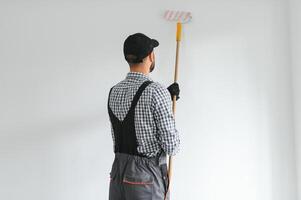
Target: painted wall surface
(295, 30)
(58, 60)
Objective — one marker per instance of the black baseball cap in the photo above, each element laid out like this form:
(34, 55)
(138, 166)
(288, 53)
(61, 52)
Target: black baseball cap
(138, 46)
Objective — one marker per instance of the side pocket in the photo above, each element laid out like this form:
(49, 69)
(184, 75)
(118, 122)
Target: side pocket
(164, 176)
(113, 172)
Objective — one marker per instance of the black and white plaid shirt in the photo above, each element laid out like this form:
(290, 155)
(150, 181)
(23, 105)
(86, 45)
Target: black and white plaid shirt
(154, 121)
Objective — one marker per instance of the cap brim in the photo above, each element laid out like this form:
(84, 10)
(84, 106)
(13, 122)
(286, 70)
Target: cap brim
(155, 43)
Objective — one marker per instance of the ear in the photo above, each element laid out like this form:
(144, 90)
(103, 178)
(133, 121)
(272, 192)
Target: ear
(151, 56)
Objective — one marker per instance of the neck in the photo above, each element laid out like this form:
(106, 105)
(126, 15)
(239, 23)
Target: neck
(141, 69)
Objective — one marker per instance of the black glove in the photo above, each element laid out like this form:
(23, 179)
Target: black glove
(174, 90)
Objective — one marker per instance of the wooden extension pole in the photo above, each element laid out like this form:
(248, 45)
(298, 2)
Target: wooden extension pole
(178, 39)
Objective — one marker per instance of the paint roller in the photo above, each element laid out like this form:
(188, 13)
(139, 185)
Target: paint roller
(180, 17)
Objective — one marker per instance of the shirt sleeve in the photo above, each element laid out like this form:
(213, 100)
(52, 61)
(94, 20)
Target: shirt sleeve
(113, 137)
(111, 125)
(167, 133)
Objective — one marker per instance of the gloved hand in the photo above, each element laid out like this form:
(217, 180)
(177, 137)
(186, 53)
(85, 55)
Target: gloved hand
(174, 90)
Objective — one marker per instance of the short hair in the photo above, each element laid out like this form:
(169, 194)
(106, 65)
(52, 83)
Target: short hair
(133, 59)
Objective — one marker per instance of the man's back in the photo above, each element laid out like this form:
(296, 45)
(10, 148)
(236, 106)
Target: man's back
(154, 122)
(142, 125)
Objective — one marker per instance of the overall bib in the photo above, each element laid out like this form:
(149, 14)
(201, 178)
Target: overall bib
(134, 176)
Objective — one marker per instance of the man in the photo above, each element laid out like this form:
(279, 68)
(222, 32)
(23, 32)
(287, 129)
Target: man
(142, 125)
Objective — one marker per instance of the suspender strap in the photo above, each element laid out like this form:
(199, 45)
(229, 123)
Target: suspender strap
(138, 94)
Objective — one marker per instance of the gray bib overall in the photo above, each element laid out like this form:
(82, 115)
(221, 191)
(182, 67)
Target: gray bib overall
(134, 176)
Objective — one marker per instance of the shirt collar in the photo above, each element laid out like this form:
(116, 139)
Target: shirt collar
(137, 76)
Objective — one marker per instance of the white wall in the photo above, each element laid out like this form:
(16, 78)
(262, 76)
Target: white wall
(58, 60)
(295, 28)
